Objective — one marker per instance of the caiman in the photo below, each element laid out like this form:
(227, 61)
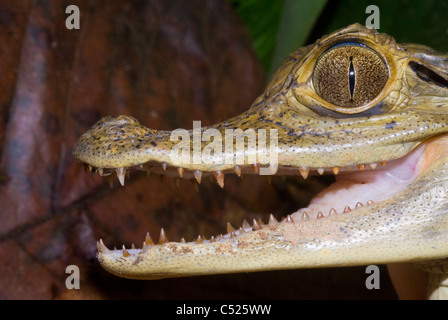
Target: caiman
(356, 105)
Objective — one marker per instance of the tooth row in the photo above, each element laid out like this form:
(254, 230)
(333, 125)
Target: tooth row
(231, 231)
(122, 173)
(332, 211)
(304, 171)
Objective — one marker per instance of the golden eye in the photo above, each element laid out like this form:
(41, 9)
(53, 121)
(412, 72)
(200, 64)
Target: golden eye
(349, 75)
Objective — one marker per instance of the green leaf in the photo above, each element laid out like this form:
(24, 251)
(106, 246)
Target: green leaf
(297, 21)
(262, 18)
(278, 27)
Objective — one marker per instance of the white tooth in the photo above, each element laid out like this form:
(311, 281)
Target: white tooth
(198, 175)
(180, 171)
(304, 171)
(237, 170)
(121, 173)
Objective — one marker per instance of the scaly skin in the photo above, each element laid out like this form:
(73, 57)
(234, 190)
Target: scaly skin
(405, 119)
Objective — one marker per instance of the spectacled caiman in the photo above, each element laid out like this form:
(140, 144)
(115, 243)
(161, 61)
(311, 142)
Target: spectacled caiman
(354, 104)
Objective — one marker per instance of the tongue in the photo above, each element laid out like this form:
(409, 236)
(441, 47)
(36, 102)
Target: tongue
(362, 186)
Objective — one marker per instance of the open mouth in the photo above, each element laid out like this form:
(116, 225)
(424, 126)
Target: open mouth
(350, 195)
(354, 187)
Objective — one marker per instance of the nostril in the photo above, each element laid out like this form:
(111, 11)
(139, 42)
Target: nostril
(428, 75)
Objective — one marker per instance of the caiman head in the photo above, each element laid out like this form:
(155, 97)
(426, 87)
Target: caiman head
(356, 105)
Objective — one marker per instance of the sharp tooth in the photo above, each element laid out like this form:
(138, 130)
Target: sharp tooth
(237, 170)
(321, 171)
(219, 175)
(304, 216)
(100, 171)
(289, 219)
(347, 209)
(125, 252)
(180, 171)
(255, 225)
(148, 240)
(332, 212)
(162, 237)
(373, 165)
(121, 172)
(246, 226)
(320, 215)
(212, 239)
(102, 247)
(164, 165)
(361, 167)
(199, 240)
(304, 172)
(133, 246)
(335, 170)
(182, 240)
(230, 228)
(219, 237)
(272, 220)
(370, 202)
(198, 176)
(383, 163)
(256, 168)
(359, 205)
(90, 167)
(241, 230)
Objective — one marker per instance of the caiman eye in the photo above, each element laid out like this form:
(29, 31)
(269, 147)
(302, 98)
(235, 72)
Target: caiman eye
(349, 75)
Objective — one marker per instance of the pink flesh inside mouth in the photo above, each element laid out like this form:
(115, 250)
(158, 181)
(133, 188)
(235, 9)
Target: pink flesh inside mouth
(361, 187)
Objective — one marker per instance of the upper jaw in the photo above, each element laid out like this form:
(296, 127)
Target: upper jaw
(293, 146)
(302, 130)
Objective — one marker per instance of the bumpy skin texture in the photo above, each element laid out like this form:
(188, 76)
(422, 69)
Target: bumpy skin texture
(313, 135)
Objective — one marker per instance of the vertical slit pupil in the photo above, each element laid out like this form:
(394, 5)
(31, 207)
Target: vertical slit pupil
(351, 78)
